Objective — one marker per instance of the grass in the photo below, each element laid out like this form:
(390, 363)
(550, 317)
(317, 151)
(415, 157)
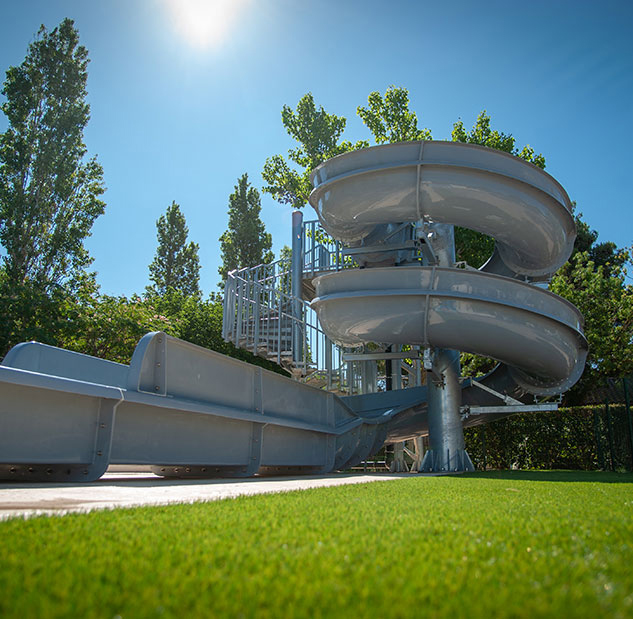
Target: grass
(505, 544)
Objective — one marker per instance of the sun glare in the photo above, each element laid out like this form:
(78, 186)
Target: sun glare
(205, 23)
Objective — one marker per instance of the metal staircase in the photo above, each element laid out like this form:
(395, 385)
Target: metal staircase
(263, 316)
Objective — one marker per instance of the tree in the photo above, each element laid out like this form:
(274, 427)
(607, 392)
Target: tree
(49, 194)
(176, 265)
(482, 134)
(594, 280)
(318, 134)
(389, 119)
(470, 246)
(245, 243)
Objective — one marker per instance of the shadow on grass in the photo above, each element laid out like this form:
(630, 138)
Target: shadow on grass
(605, 477)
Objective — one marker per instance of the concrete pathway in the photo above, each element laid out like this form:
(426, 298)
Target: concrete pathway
(130, 489)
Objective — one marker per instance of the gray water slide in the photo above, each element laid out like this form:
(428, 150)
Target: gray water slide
(188, 411)
(495, 311)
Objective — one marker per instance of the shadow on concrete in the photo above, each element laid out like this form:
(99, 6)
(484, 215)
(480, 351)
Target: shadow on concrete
(145, 480)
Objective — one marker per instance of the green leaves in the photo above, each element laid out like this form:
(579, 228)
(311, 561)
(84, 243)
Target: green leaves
(176, 265)
(606, 302)
(49, 196)
(317, 134)
(389, 119)
(482, 134)
(245, 243)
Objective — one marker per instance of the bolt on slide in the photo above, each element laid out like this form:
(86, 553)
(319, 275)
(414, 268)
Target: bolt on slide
(188, 411)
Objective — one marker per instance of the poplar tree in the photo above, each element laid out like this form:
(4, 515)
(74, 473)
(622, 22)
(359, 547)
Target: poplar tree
(245, 243)
(49, 192)
(176, 265)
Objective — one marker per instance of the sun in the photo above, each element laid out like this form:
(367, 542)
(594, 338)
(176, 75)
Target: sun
(205, 23)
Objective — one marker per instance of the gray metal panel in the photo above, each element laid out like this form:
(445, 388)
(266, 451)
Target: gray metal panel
(148, 435)
(289, 447)
(55, 427)
(45, 359)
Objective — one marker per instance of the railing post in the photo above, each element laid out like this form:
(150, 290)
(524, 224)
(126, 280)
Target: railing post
(280, 308)
(256, 319)
(238, 326)
(297, 275)
(328, 362)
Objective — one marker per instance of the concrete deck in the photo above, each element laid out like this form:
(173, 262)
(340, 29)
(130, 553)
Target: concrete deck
(131, 489)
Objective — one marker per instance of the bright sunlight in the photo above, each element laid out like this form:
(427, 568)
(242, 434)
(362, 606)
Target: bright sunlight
(205, 23)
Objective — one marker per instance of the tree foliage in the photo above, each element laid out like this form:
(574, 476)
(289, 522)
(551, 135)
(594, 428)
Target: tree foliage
(49, 194)
(317, 134)
(245, 243)
(601, 294)
(482, 134)
(471, 246)
(110, 327)
(176, 265)
(389, 118)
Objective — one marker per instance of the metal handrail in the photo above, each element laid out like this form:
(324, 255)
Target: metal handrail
(261, 315)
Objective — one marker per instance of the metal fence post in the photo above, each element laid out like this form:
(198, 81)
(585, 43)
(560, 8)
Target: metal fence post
(628, 416)
(610, 434)
(598, 437)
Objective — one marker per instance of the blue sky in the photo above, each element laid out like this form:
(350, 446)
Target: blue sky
(174, 120)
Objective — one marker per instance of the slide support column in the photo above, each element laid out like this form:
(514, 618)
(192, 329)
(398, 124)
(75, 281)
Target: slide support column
(446, 433)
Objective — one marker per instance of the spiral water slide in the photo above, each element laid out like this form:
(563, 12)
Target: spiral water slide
(188, 411)
(498, 311)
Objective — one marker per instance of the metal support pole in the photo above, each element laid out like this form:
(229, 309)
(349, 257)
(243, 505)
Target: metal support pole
(628, 416)
(598, 436)
(398, 464)
(396, 370)
(610, 434)
(328, 362)
(446, 434)
(483, 445)
(296, 276)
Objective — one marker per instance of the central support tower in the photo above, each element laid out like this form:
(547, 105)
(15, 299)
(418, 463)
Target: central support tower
(446, 435)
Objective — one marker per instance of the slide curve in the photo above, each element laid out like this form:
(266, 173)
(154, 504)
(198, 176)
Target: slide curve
(536, 335)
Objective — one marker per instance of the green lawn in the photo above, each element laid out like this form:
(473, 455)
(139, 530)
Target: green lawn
(488, 544)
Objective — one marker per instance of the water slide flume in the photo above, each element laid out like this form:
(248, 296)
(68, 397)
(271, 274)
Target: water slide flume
(490, 312)
(522, 207)
(535, 332)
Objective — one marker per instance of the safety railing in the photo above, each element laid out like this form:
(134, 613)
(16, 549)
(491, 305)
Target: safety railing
(321, 252)
(261, 315)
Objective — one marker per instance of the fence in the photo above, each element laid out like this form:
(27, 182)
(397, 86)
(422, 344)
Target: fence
(590, 437)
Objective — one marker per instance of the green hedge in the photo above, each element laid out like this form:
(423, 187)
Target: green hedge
(587, 438)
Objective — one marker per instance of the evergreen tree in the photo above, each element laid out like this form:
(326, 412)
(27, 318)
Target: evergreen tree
(245, 243)
(49, 196)
(176, 265)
